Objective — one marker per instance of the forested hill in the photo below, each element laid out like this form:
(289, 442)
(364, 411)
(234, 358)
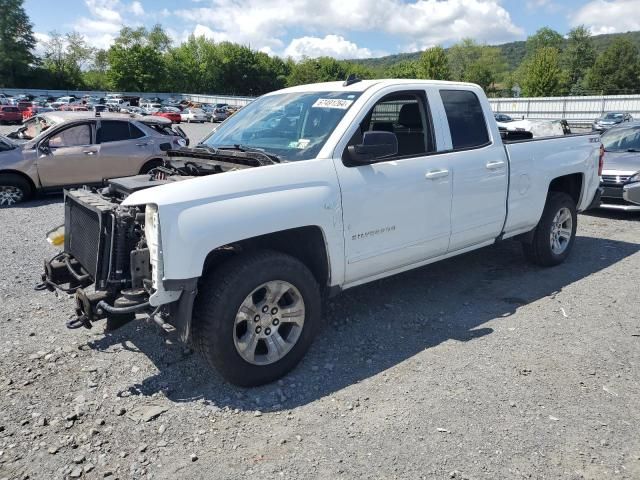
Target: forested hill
(513, 52)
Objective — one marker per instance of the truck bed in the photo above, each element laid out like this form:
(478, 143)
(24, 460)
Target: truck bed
(533, 164)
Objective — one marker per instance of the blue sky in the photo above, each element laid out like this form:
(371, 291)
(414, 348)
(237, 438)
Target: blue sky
(340, 28)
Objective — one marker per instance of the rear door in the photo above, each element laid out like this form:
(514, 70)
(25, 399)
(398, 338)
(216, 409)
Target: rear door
(71, 158)
(124, 148)
(479, 169)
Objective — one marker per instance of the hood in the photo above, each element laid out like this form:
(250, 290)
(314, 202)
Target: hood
(8, 141)
(622, 161)
(255, 182)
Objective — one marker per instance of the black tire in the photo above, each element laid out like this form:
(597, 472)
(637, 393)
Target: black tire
(150, 165)
(13, 181)
(539, 250)
(220, 294)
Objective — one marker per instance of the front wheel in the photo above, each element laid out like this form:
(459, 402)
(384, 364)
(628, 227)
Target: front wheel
(256, 316)
(13, 189)
(555, 234)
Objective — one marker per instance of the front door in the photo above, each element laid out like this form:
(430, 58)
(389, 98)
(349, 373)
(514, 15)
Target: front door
(396, 212)
(69, 156)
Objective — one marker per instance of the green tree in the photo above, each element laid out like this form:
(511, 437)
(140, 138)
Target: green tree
(313, 70)
(578, 56)
(480, 64)
(616, 70)
(404, 69)
(193, 66)
(544, 37)
(65, 57)
(16, 44)
(136, 60)
(434, 64)
(542, 75)
(95, 78)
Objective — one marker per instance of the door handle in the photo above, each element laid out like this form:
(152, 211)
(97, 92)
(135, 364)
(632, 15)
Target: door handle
(89, 152)
(495, 165)
(141, 144)
(434, 174)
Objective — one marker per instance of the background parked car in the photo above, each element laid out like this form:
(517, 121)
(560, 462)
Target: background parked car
(193, 115)
(34, 110)
(220, 114)
(621, 171)
(10, 114)
(610, 119)
(171, 113)
(81, 149)
(502, 117)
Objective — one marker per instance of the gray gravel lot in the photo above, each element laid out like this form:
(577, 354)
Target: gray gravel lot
(478, 367)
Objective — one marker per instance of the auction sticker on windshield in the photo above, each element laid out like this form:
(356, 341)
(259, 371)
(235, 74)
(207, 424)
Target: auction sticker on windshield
(332, 103)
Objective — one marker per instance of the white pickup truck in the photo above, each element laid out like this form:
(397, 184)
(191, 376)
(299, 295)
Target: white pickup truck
(306, 192)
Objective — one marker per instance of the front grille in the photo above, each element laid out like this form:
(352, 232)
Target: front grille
(88, 232)
(612, 192)
(615, 179)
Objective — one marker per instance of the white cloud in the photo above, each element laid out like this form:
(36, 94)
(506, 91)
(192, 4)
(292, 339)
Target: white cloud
(331, 45)
(41, 39)
(106, 17)
(105, 9)
(422, 22)
(136, 9)
(604, 16)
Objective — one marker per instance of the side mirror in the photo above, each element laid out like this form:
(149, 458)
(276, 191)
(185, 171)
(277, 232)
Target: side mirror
(376, 145)
(43, 147)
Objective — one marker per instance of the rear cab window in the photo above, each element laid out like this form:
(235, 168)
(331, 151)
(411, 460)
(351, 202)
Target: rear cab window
(466, 119)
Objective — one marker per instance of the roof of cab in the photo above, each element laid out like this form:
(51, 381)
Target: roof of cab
(363, 85)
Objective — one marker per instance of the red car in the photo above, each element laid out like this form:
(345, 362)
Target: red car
(11, 114)
(27, 113)
(172, 114)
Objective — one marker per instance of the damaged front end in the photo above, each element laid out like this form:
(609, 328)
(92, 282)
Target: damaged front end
(111, 262)
(112, 256)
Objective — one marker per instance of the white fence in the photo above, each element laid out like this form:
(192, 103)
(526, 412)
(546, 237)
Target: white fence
(576, 110)
(573, 109)
(231, 100)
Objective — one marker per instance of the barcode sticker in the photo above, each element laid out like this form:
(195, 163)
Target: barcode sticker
(332, 103)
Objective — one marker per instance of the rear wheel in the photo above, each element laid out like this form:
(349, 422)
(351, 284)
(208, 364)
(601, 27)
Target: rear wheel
(150, 165)
(13, 189)
(555, 234)
(255, 317)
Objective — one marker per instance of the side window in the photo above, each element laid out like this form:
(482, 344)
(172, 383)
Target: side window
(404, 114)
(135, 132)
(113, 131)
(71, 137)
(466, 119)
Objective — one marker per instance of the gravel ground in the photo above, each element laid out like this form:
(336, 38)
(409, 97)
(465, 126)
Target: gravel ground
(478, 367)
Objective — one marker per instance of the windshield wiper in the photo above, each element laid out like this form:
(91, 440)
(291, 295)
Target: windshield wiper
(632, 150)
(204, 146)
(272, 157)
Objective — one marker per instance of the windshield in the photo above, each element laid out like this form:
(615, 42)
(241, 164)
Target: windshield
(612, 116)
(293, 126)
(622, 140)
